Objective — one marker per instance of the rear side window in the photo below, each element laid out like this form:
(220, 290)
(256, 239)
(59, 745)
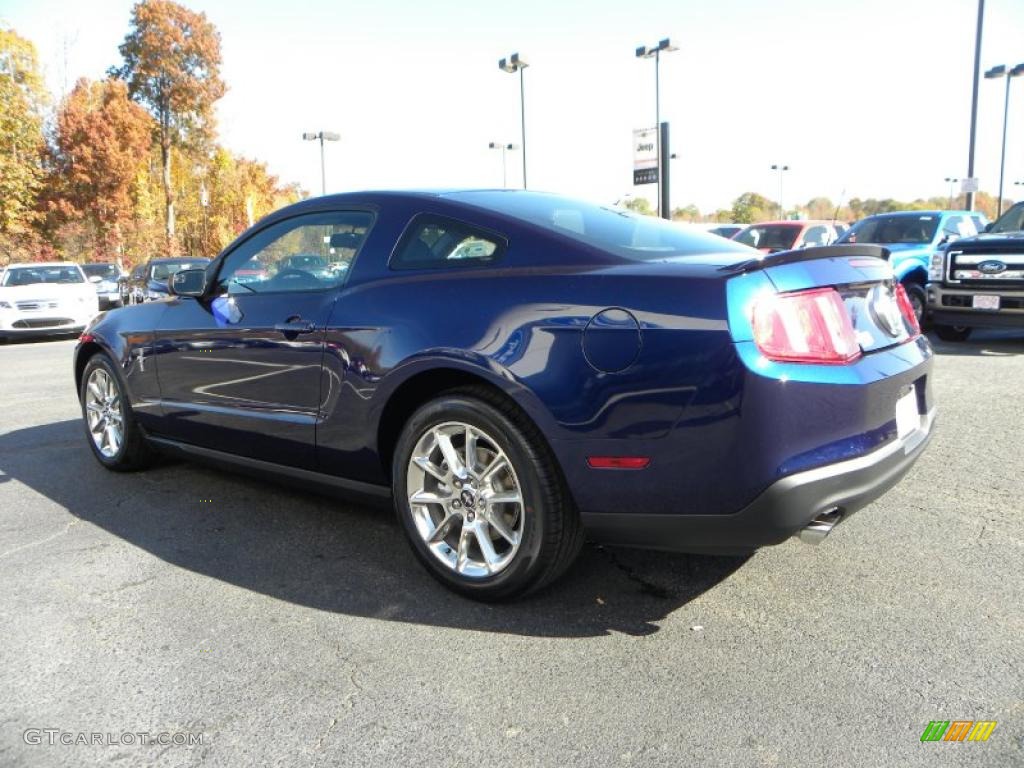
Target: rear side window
(436, 242)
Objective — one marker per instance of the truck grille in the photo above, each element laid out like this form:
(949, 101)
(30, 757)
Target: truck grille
(993, 269)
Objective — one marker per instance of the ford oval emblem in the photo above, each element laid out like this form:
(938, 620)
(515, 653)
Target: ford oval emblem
(992, 267)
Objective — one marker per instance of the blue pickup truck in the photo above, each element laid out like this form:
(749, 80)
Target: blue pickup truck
(912, 237)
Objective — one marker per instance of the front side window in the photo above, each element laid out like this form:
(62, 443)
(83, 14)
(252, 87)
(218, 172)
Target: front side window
(434, 241)
(42, 274)
(105, 271)
(164, 270)
(892, 230)
(772, 237)
(817, 235)
(1011, 221)
(306, 253)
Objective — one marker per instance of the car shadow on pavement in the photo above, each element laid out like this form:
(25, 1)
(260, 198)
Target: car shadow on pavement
(331, 554)
(982, 343)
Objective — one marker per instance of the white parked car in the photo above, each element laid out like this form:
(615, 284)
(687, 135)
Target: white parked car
(45, 299)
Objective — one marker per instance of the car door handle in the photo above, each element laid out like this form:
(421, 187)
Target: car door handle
(294, 325)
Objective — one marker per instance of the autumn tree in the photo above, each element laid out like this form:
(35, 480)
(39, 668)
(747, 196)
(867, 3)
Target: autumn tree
(101, 142)
(172, 67)
(686, 213)
(22, 101)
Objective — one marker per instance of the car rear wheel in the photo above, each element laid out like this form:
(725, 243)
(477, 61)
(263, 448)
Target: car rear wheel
(481, 499)
(952, 332)
(110, 426)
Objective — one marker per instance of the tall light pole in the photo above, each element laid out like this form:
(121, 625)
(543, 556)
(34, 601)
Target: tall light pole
(969, 205)
(504, 150)
(994, 74)
(515, 63)
(655, 51)
(951, 181)
(780, 169)
(322, 136)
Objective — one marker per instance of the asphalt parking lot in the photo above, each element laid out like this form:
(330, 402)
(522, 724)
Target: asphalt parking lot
(292, 629)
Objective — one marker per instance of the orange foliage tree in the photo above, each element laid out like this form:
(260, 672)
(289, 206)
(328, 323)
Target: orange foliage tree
(101, 141)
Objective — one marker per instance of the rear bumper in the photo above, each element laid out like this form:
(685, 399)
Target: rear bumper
(782, 510)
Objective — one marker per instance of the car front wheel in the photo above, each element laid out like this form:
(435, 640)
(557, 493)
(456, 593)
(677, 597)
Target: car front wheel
(481, 499)
(110, 426)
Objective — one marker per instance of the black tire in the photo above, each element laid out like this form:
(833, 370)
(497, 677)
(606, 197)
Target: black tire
(918, 299)
(952, 332)
(551, 535)
(134, 452)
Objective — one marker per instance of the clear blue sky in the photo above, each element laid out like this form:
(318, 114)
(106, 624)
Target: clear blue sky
(870, 96)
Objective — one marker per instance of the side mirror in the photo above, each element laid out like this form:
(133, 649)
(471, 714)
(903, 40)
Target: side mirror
(188, 282)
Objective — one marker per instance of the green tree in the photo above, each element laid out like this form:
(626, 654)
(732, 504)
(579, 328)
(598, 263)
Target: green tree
(686, 213)
(640, 205)
(172, 67)
(23, 99)
(751, 207)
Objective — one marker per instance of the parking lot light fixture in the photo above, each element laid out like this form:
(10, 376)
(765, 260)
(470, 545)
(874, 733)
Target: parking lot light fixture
(505, 148)
(994, 74)
(515, 63)
(654, 52)
(951, 181)
(322, 136)
(781, 169)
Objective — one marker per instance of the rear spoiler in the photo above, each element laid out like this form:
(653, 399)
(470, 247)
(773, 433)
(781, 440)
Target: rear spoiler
(806, 254)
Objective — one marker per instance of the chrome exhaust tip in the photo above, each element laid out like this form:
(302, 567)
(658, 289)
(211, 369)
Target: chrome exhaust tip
(821, 526)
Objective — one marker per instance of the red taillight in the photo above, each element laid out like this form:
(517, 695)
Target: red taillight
(805, 327)
(618, 462)
(85, 338)
(907, 308)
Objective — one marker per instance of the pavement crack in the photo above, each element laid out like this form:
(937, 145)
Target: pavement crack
(647, 587)
(49, 538)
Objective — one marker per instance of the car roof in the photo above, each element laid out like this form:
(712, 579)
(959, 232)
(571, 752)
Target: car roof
(176, 259)
(42, 264)
(917, 213)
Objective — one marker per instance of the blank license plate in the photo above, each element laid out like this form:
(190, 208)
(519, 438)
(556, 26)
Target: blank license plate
(907, 417)
(985, 302)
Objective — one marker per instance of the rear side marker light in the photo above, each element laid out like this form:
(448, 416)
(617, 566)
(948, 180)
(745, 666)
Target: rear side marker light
(85, 338)
(903, 300)
(805, 327)
(618, 462)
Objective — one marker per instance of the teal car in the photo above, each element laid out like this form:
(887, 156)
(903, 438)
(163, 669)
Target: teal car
(911, 238)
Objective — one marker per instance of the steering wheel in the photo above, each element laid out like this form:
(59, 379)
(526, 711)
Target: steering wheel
(290, 275)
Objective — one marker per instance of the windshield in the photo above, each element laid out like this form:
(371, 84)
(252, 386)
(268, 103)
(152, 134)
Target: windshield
(106, 271)
(774, 237)
(1011, 221)
(626, 234)
(893, 229)
(42, 274)
(166, 269)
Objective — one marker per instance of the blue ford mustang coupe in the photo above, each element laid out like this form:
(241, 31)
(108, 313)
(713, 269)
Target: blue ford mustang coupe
(521, 370)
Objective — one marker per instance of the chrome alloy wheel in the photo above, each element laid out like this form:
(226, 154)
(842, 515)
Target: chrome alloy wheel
(465, 498)
(103, 413)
